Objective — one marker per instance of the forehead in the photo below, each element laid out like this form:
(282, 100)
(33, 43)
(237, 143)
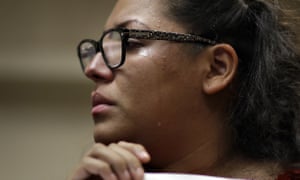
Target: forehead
(151, 13)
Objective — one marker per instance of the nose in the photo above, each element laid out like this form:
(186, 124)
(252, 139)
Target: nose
(97, 70)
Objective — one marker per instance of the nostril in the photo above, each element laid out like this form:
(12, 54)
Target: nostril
(94, 76)
(91, 74)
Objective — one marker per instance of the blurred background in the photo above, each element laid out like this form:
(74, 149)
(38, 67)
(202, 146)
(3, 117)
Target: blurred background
(45, 122)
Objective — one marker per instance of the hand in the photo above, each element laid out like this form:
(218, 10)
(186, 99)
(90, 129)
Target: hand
(121, 161)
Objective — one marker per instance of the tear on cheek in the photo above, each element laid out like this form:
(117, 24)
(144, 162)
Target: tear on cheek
(144, 53)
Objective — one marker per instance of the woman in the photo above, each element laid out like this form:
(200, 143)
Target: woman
(202, 87)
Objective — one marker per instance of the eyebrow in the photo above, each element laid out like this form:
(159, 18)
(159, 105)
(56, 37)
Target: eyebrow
(134, 21)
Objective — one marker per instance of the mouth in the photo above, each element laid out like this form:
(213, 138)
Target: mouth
(100, 104)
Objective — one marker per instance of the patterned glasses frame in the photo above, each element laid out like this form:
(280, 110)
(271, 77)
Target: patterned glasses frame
(88, 48)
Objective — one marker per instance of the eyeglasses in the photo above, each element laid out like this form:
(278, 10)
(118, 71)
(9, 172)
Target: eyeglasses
(114, 42)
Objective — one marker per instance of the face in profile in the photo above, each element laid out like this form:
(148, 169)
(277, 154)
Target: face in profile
(155, 98)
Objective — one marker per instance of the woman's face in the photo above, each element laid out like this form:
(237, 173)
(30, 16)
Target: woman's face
(155, 98)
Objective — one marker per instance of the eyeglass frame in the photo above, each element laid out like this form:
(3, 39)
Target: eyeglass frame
(125, 34)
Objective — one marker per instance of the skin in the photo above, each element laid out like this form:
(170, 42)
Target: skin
(169, 103)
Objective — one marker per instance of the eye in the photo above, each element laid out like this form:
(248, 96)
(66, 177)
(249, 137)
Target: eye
(134, 44)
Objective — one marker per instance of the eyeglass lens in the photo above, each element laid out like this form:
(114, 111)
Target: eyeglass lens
(87, 53)
(112, 48)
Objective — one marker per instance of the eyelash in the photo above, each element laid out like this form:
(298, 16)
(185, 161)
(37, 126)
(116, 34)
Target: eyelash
(134, 44)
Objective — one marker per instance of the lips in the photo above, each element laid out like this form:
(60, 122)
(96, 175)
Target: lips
(100, 103)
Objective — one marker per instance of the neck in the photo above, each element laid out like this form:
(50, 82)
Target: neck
(206, 152)
(205, 157)
(230, 167)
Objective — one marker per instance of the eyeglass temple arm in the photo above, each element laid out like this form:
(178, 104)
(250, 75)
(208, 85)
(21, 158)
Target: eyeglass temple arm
(177, 37)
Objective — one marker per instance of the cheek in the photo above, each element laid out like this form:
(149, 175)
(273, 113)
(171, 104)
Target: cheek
(154, 87)
(140, 86)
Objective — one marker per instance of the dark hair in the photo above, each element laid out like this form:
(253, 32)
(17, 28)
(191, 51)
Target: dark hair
(265, 111)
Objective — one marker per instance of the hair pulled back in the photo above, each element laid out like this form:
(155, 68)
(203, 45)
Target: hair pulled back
(265, 111)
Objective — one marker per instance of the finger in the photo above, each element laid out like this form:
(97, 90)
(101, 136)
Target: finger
(136, 149)
(133, 164)
(116, 162)
(90, 167)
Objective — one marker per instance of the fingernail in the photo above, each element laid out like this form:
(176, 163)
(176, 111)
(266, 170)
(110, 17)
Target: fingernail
(144, 155)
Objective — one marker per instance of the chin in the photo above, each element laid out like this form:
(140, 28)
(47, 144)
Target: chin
(110, 133)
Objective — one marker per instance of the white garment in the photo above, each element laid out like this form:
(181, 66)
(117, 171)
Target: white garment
(175, 176)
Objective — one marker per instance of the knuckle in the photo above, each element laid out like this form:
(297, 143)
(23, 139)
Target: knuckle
(95, 149)
(105, 168)
(97, 146)
(111, 145)
(98, 151)
(119, 163)
(124, 143)
(85, 161)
